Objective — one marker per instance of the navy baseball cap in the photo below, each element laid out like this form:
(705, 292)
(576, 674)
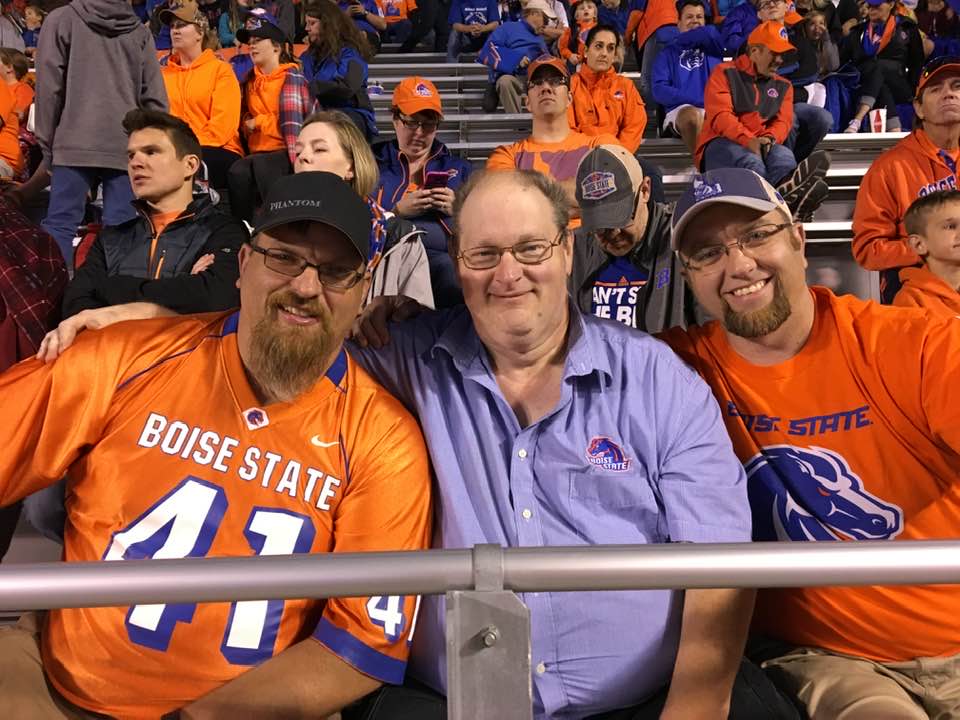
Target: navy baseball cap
(261, 24)
(733, 186)
(319, 197)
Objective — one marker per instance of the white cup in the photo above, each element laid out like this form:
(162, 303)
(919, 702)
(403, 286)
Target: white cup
(878, 120)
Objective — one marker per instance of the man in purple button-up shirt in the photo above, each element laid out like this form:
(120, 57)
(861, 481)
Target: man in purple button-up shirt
(549, 427)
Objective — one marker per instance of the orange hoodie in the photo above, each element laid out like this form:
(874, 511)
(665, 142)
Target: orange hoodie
(723, 120)
(9, 133)
(262, 96)
(910, 169)
(206, 95)
(607, 103)
(646, 22)
(921, 288)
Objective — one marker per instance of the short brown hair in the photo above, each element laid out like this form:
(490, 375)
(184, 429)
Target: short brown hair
(915, 219)
(184, 140)
(17, 60)
(548, 187)
(354, 144)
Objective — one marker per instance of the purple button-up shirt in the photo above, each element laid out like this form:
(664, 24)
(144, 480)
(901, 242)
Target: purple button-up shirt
(634, 452)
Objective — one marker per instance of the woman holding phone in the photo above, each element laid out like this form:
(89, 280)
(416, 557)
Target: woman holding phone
(418, 178)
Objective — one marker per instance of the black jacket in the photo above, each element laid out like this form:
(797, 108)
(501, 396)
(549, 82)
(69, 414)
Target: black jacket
(903, 54)
(665, 301)
(118, 268)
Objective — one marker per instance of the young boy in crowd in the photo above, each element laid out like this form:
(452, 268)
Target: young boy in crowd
(33, 19)
(13, 72)
(933, 227)
(573, 49)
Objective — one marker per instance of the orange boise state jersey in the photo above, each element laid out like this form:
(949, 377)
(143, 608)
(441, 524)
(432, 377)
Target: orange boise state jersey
(555, 160)
(169, 456)
(857, 437)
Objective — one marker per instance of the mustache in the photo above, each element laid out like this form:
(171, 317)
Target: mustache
(285, 298)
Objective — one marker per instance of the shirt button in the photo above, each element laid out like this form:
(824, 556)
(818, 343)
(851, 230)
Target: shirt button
(527, 514)
(541, 668)
(521, 453)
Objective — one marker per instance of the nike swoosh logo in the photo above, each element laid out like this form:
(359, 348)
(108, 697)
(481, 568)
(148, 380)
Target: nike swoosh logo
(320, 443)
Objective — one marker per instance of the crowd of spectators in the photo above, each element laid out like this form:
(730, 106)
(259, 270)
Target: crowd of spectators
(205, 156)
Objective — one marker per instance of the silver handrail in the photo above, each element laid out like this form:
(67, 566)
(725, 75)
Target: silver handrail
(536, 569)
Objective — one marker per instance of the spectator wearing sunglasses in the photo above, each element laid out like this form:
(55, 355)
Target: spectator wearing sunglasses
(418, 178)
(553, 148)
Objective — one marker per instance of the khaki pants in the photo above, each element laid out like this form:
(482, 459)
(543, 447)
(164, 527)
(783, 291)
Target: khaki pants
(840, 687)
(25, 692)
(510, 88)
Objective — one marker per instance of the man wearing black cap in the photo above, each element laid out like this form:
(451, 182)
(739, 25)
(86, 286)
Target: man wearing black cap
(623, 266)
(247, 433)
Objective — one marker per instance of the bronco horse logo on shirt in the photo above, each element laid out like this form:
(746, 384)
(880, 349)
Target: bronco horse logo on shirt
(810, 493)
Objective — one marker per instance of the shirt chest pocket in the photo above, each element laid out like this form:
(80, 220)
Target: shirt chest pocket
(615, 506)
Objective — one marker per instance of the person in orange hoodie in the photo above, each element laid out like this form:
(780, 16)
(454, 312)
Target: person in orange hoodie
(933, 224)
(11, 160)
(276, 99)
(646, 17)
(202, 90)
(573, 44)
(923, 162)
(14, 67)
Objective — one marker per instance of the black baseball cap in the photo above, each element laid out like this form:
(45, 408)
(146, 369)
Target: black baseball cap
(261, 24)
(319, 197)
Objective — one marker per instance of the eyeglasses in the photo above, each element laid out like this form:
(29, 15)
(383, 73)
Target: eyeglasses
(428, 126)
(527, 252)
(548, 79)
(709, 260)
(332, 278)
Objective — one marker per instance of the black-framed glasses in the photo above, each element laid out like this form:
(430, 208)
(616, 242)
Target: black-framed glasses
(551, 79)
(710, 259)
(428, 126)
(285, 263)
(527, 252)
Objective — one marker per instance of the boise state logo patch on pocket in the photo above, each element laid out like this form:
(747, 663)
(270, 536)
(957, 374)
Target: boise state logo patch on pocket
(605, 454)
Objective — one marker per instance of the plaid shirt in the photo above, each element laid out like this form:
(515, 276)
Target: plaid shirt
(295, 105)
(33, 274)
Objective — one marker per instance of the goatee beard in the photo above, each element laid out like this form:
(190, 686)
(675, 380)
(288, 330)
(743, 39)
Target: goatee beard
(759, 322)
(286, 361)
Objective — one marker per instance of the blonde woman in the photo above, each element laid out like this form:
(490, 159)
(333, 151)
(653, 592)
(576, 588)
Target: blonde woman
(329, 141)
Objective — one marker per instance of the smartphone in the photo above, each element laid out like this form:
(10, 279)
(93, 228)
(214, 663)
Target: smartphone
(435, 179)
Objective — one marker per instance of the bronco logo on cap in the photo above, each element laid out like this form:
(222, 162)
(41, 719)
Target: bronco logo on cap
(598, 185)
(702, 190)
(607, 455)
(783, 33)
(422, 90)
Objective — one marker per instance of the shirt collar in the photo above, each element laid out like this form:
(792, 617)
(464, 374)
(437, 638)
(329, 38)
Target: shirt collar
(461, 342)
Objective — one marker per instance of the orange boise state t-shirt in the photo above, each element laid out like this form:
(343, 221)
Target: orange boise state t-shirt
(857, 437)
(556, 160)
(170, 455)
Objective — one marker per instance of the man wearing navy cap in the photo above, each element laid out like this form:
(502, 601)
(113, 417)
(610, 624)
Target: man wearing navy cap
(839, 411)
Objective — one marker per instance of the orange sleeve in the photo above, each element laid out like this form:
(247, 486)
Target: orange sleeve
(941, 400)
(386, 507)
(780, 127)
(634, 117)
(8, 101)
(633, 22)
(503, 158)
(718, 105)
(224, 120)
(563, 44)
(879, 239)
(24, 96)
(56, 416)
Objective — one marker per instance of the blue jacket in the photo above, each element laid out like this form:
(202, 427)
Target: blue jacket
(394, 181)
(508, 45)
(682, 68)
(737, 26)
(725, 6)
(341, 83)
(617, 17)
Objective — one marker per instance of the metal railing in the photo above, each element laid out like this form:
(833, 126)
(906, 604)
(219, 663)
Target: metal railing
(488, 631)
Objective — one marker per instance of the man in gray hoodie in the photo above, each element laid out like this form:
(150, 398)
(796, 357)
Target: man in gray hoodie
(95, 61)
